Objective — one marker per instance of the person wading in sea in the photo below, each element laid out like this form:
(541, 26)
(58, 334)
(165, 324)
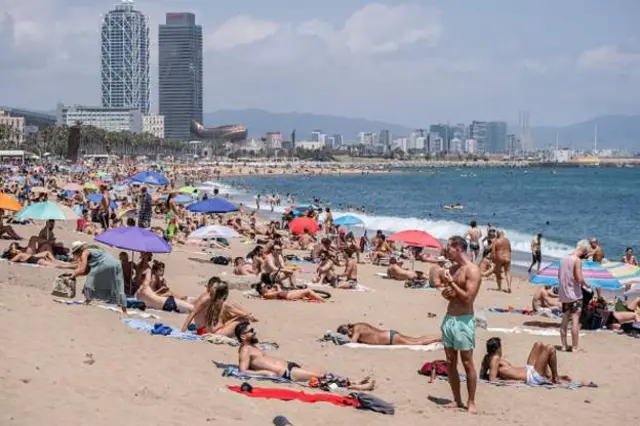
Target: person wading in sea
(458, 328)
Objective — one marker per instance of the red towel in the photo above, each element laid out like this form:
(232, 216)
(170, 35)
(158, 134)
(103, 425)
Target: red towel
(290, 395)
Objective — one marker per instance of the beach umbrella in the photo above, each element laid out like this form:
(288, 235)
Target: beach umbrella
(134, 239)
(628, 275)
(21, 180)
(187, 190)
(214, 231)
(97, 198)
(9, 203)
(416, 238)
(72, 187)
(45, 211)
(347, 220)
(150, 178)
(595, 274)
(212, 205)
(300, 224)
(90, 186)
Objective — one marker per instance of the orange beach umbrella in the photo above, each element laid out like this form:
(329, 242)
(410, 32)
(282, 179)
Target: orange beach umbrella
(9, 203)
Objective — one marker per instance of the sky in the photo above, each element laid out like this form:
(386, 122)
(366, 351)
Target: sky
(405, 62)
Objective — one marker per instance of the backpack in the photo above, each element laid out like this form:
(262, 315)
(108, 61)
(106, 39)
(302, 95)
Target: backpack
(220, 260)
(64, 286)
(434, 368)
(373, 403)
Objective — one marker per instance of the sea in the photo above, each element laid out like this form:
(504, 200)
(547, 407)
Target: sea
(564, 204)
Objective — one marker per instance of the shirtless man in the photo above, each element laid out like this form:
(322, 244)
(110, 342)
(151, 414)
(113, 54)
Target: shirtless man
(275, 292)
(362, 332)
(274, 269)
(536, 252)
(127, 270)
(474, 235)
(541, 367)
(146, 294)
(501, 255)
(459, 325)
(437, 273)
(545, 301)
(305, 240)
(253, 360)
(325, 244)
(241, 268)
(325, 270)
(350, 273)
(397, 272)
(597, 253)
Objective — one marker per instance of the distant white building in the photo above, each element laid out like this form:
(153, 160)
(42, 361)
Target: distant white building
(562, 155)
(471, 146)
(436, 143)
(153, 124)
(310, 145)
(273, 140)
(15, 125)
(455, 145)
(109, 119)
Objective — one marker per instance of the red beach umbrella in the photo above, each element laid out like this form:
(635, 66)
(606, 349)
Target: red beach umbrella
(416, 238)
(300, 224)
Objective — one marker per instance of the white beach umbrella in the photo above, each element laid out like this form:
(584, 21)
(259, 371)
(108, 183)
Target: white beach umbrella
(214, 231)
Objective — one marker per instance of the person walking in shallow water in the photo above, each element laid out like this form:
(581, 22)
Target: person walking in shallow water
(536, 252)
(459, 325)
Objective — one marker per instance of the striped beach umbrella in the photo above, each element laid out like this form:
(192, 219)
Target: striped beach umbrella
(595, 274)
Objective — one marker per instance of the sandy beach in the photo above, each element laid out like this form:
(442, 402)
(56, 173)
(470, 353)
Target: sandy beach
(68, 365)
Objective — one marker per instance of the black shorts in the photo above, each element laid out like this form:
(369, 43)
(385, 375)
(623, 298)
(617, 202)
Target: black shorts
(537, 257)
(267, 279)
(170, 305)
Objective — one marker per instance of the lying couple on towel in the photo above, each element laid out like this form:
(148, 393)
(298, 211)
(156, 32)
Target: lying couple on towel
(364, 333)
(253, 360)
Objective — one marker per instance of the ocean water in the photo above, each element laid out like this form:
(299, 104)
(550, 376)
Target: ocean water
(565, 204)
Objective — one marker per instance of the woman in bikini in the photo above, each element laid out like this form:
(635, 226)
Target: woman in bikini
(17, 254)
(275, 292)
(212, 313)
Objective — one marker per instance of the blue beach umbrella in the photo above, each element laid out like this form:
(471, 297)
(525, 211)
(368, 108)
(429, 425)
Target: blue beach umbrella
(150, 178)
(46, 211)
(212, 205)
(347, 220)
(97, 198)
(180, 199)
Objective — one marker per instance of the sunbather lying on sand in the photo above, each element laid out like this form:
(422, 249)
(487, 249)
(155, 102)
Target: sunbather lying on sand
(17, 254)
(275, 292)
(253, 360)
(541, 368)
(212, 313)
(362, 332)
(396, 272)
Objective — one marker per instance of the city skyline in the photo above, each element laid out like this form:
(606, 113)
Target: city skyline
(429, 61)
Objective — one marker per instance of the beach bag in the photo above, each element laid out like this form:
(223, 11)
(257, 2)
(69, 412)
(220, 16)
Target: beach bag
(373, 403)
(434, 368)
(220, 260)
(64, 286)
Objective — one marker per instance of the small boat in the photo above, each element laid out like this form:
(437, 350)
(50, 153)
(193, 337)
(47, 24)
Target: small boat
(453, 207)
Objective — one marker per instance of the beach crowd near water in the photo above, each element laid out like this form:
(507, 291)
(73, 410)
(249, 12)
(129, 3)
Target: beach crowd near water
(183, 263)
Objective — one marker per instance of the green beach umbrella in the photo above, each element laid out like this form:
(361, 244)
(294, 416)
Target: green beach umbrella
(187, 190)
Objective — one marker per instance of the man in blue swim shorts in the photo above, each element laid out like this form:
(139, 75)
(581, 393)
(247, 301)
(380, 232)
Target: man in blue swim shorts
(458, 328)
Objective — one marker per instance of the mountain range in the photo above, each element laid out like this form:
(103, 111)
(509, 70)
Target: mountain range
(614, 131)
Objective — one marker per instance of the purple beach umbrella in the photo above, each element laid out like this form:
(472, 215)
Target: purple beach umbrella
(134, 239)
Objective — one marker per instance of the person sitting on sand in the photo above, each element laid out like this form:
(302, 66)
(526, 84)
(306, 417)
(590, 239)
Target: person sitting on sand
(362, 332)
(350, 274)
(158, 282)
(253, 360)
(545, 301)
(241, 268)
(324, 245)
(275, 292)
(146, 293)
(305, 240)
(382, 250)
(212, 313)
(46, 238)
(325, 272)
(17, 254)
(275, 270)
(437, 272)
(397, 272)
(541, 367)
(7, 229)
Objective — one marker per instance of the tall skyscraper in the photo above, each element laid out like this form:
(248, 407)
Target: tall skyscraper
(478, 131)
(496, 141)
(124, 64)
(180, 74)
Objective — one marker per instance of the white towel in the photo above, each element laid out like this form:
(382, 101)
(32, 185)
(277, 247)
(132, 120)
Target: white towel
(520, 330)
(382, 275)
(359, 287)
(424, 348)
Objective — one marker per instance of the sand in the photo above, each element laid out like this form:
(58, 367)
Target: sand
(68, 365)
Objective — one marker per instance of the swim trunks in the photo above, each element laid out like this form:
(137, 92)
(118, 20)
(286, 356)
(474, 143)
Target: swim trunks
(392, 334)
(170, 305)
(32, 260)
(534, 378)
(459, 333)
(572, 307)
(474, 246)
(287, 371)
(537, 257)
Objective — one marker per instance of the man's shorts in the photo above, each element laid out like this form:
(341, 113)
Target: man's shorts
(572, 307)
(459, 333)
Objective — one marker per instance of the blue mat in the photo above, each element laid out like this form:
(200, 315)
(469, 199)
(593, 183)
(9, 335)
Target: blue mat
(160, 329)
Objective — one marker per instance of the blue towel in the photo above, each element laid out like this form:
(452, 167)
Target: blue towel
(230, 370)
(160, 329)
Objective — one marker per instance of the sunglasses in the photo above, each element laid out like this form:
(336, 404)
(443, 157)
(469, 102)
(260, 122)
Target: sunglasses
(248, 331)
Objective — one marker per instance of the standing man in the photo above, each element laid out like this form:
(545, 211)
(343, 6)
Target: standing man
(145, 209)
(501, 253)
(459, 325)
(474, 235)
(536, 251)
(570, 286)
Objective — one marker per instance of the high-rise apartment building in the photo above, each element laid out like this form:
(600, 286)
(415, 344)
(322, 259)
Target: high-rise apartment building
(124, 58)
(478, 132)
(180, 74)
(496, 141)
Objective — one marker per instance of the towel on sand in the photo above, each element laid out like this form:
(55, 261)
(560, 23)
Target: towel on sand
(145, 315)
(514, 384)
(533, 331)
(231, 370)
(290, 395)
(359, 287)
(383, 275)
(148, 327)
(423, 348)
(511, 310)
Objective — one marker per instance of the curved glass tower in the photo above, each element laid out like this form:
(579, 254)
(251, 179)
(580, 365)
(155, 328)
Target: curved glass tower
(124, 69)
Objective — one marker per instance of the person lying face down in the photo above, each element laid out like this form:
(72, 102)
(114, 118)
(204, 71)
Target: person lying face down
(362, 332)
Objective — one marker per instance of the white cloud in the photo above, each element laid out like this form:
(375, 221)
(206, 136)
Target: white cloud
(241, 30)
(610, 59)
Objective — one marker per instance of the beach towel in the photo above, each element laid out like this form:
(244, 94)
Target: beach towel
(359, 287)
(218, 339)
(144, 315)
(423, 348)
(514, 384)
(234, 372)
(529, 312)
(160, 329)
(383, 275)
(291, 395)
(533, 331)
(21, 264)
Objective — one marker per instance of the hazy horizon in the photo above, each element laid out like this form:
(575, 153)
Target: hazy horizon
(407, 63)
